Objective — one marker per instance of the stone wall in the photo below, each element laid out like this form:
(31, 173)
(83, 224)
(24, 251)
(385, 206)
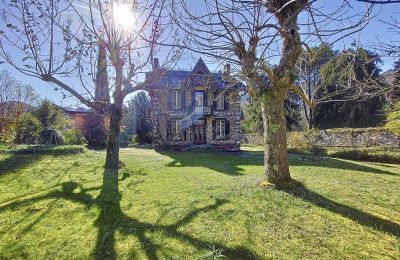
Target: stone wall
(359, 137)
(344, 137)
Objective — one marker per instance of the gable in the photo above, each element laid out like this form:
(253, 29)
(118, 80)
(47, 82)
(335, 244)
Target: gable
(200, 68)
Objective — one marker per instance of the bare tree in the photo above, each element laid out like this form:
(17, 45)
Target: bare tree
(15, 99)
(95, 51)
(263, 40)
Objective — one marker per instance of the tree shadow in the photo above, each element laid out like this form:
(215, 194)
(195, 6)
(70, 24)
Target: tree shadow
(224, 162)
(23, 157)
(111, 219)
(298, 189)
(329, 162)
(231, 163)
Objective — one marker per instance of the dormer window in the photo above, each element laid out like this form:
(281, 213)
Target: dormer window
(220, 101)
(176, 100)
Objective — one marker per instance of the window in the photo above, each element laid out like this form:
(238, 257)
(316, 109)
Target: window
(176, 100)
(199, 98)
(176, 127)
(220, 128)
(220, 101)
(174, 130)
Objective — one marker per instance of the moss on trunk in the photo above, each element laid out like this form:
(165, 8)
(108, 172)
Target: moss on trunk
(112, 157)
(276, 164)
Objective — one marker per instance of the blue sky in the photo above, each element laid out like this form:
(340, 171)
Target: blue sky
(374, 30)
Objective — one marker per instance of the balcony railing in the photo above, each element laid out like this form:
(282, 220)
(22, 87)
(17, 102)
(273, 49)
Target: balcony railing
(202, 110)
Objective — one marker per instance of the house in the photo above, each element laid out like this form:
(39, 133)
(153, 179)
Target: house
(195, 108)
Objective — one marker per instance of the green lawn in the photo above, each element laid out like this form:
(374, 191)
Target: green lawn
(55, 203)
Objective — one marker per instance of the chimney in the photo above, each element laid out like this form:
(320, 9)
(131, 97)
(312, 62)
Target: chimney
(156, 65)
(102, 90)
(226, 74)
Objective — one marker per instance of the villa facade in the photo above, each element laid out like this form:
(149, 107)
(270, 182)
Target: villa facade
(195, 108)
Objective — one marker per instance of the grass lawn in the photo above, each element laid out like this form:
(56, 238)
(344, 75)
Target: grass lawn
(59, 203)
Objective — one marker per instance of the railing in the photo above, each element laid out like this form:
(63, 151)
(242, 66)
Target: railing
(202, 110)
(177, 137)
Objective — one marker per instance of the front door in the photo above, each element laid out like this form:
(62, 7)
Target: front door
(199, 131)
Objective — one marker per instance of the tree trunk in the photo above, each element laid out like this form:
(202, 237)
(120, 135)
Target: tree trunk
(276, 166)
(112, 158)
(311, 121)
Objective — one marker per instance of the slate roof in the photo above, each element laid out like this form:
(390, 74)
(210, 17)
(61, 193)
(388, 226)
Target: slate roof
(74, 110)
(174, 78)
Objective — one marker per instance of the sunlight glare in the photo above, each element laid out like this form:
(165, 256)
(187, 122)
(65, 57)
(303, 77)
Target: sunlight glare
(123, 16)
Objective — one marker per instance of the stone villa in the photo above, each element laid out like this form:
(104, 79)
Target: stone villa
(195, 108)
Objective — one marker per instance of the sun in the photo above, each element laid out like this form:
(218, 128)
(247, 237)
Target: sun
(123, 16)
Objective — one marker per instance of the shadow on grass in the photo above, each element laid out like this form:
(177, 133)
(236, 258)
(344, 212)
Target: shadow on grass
(224, 162)
(298, 189)
(229, 163)
(111, 219)
(23, 157)
(328, 162)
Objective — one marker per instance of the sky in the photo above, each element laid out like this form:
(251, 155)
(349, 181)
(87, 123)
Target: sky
(376, 29)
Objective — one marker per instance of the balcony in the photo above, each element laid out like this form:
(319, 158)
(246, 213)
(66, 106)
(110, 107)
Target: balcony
(202, 110)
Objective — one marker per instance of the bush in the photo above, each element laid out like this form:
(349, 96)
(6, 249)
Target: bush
(124, 139)
(28, 129)
(45, 150)
(51, 136)
(7, 138)
(393, 119)
(48, 114)
(134, 140)
(74, 136)
(93, 127)
(371, 154)
(298, 142)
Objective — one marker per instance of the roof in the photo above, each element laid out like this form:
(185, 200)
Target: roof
(73, 110)
(175, 78)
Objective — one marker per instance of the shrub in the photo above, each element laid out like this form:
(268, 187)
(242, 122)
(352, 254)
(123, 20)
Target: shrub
(28, 129)
(298, 142)
(93, 127)
(74, 136)
(135, 140)
(124, 139)
(51, 136)
(393, 119)
(48, 114)
(7, 138)
(372, 154)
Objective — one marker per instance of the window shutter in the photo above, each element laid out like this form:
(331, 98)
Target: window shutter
(227, 128)
(214, 104)
(169, 129)
(205, 100)
(214, 128)
(183, 99)
(226, 101)
(193, 101)
(169, 99)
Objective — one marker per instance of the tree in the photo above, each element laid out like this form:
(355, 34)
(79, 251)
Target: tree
(28, 129)
(308, 68)
(140, 106)
(60, 42)
(48, 115)
(248, 34)
(347, 108)
(253, 121)
(16, 99)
